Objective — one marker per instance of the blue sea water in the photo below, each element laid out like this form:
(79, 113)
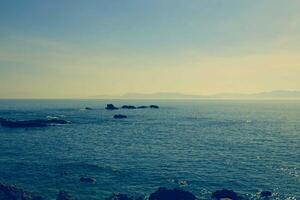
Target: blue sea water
(247, 146)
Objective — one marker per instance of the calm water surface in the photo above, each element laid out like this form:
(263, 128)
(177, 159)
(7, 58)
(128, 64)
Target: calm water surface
(247, 146)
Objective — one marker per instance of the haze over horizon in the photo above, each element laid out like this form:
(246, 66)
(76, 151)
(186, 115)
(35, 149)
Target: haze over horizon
(64, 49)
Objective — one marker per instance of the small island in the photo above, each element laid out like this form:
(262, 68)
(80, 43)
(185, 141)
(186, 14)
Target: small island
(111, 107)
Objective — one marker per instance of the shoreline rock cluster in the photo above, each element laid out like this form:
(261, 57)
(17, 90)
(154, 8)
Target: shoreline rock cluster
(11, 192)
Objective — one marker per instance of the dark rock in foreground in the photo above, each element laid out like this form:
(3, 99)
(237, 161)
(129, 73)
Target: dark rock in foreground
(2, 119)
(87, 180)
(119, 116)
(111, 107)
(31, 123)
(62, 195)
(128, 107)
(154, 106)
(265, 194)
(11, 192)
(224, 194)
(171, 194)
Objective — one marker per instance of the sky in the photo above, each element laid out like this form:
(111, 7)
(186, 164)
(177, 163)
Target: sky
(78, 48)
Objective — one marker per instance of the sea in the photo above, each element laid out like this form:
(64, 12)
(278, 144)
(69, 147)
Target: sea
(196, 145)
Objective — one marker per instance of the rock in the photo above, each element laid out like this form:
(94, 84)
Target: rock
(225, 194)
(171, 194)
(87, 180)
(88, 108)
(11, 192)
(142, 107)
(154, 106)
(32, 123)
(111, 107)
(265, 194)
(63, 195)
(119, 116)
(23, 124)
(119, 197)
(128, 107)
(56, 121)
(2, 119)
(183, 183)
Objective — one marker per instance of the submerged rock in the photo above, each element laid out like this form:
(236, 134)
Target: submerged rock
(265, 194)
(225, 194)
(63, 195)
(111, 107)
(2, 119)
(154, 106)
(128, 107)
(119, 116)
(11, 192)
(171, 194)
(119, 197)
(63, 173)
(181, 183)
(87, 179)
(32, 123)
(88, 108)
(56, 121)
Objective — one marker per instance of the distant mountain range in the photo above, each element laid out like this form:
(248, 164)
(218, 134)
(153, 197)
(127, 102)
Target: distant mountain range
(278, 94)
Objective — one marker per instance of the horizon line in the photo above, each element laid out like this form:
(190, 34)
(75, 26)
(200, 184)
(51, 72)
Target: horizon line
(183, 96)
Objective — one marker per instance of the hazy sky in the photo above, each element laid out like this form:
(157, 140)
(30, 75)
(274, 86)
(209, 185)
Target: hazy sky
(72, 48)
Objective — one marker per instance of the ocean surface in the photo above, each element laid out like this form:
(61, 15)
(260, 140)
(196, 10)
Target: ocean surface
(246, 146)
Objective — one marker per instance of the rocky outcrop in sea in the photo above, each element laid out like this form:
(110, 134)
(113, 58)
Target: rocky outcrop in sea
(111, 107)
(32, 123)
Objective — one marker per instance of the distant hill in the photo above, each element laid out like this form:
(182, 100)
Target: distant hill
(161, 95)
(278, 94)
